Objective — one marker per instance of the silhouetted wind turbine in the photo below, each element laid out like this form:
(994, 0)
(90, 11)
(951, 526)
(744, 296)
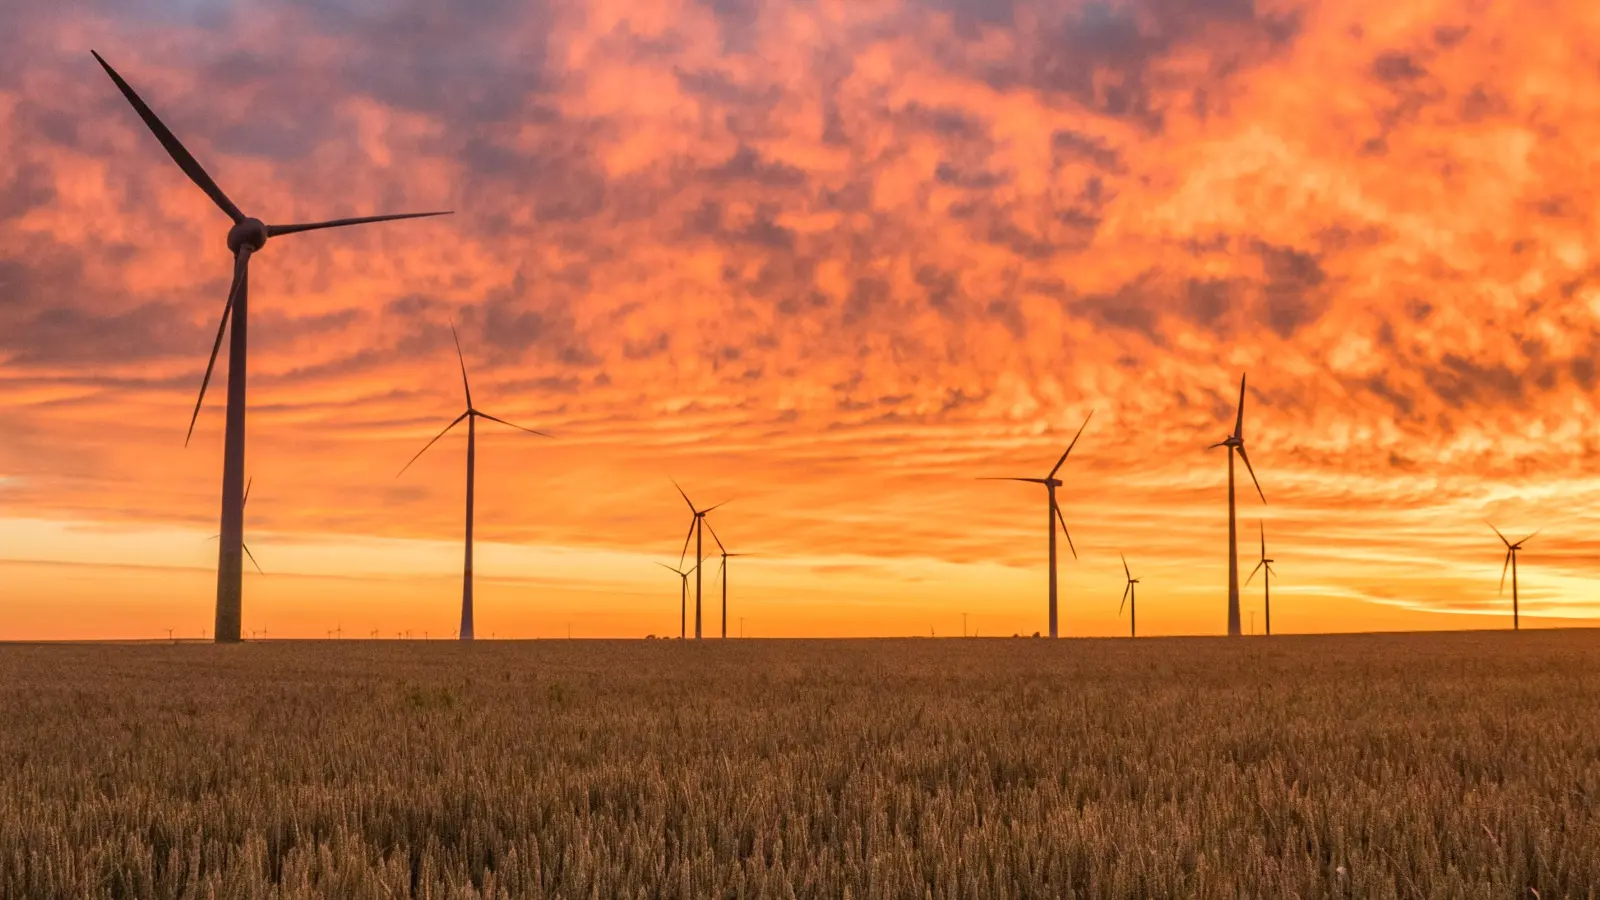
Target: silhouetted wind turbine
(1235, 444)
(695, 527)
(247, 236)
(683, 598)
(1266, 580)
(722, 571)
(1130, 599)
(1053, 516)
(472, 415)
(1511, 563)
(242, 544)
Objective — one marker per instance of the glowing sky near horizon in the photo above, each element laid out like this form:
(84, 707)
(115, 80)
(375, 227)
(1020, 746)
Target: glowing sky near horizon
(829, 260)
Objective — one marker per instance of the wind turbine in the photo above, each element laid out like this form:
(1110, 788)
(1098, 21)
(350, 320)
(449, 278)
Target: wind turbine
(722, 572)
(247, 236)
(1266, 580)
(683, 599)
(1511, 563)
(1130, 599)
(1053, 516)
(695, 527)
(1235, 444)
(472, 415)
(242, 544)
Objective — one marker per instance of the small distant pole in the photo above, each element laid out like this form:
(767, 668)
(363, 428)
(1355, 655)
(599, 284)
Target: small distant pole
(169, 634)
(202, 634)
(741, 626)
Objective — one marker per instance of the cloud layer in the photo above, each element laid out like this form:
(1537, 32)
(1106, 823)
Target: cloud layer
(835, 260)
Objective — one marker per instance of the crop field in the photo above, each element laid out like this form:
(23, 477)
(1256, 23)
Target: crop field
(1406, 766)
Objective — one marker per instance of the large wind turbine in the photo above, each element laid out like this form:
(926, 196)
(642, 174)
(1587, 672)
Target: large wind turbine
(722, 572)
(1511, 563)
(472, 415)
(1235, 444)
(695, 526)
(683, 598)
(247, 236)
(1053, 515)
(1266, 580)
(1130, 598)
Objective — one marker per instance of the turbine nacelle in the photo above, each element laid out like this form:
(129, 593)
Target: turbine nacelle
(250, 233)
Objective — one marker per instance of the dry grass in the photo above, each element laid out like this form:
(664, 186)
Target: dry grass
(1386, 766)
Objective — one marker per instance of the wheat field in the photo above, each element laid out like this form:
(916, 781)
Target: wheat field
(1406, 766)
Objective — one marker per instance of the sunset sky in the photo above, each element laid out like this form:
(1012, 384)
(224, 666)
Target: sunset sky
(829, 261)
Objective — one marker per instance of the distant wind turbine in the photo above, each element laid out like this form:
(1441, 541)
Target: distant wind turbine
(242, 544)
(722, 572)
(248, 235)
(472, 415)
(1053, 516)
(1266, 580)
(1235, 444)
(683, 598)
(1131, 600)
(1511, 562)
(695, 527)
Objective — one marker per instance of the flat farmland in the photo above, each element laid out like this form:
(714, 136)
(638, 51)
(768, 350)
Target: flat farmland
(1406, 766)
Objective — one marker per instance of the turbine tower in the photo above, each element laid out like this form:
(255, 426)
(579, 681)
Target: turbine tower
(472, 415)
(683, 599)
(247, 236)
(1511, 562)
(722, 573)
(1235, 444)
(1266, 580)
(695, 527)
(1053, 515)
(1130, 598)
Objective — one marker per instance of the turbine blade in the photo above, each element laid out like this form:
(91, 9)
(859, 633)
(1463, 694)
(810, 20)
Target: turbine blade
(685, 496)
(1253, 573)
(463, 360)
(1503, 570)
(431, 443)
(247, 491)
(1529, 538)
(714, 536)
(1497, 532)
(1238, 423)
(276, 230)
(1216, 445)
(1125, 567)
(1071, 445)
(252, 557)
(1063, 521)
(669, 568)
(719, 505)
(1124, 598)
(684, 553)
(174, 147)
(995, 478)
(241, 264)
(1252, 472)
(1263, 538)
(518, 427)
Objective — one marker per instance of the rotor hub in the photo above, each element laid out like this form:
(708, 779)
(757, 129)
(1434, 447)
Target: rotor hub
(250, 233)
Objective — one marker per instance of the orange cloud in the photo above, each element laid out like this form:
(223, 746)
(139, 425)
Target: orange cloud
(832, 260)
